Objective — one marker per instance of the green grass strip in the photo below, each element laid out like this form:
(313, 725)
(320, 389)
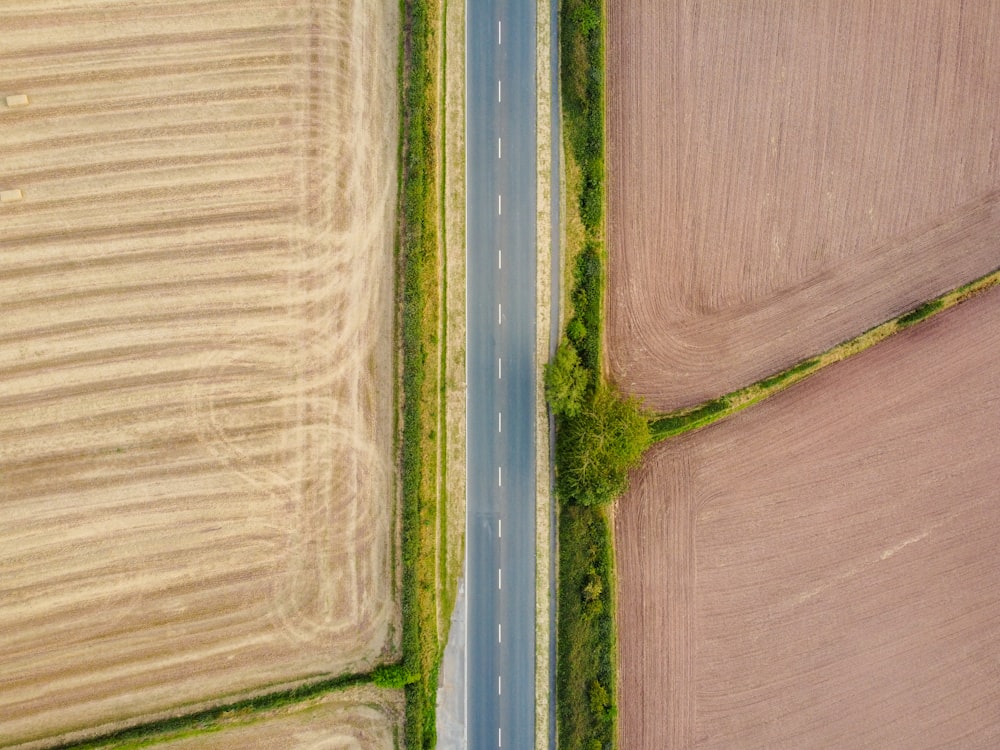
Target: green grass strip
(418, 293)
(665, 426)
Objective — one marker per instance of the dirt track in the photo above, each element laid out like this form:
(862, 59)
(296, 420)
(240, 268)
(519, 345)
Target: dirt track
(784, 176)
(820, 571)
(195, 357)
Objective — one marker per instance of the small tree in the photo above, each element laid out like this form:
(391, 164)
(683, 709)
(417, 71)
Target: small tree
(565, 381)
(597, 448)
(393, 676)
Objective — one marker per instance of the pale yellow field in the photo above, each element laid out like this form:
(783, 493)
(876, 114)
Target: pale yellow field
(357, 719)
(195, 351)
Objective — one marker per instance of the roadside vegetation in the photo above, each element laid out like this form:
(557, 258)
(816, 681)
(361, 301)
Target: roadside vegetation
(684, 420)
(419, 299)
(600, 435)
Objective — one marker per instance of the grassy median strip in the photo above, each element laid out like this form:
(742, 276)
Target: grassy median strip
(684, 420)
(420, 309)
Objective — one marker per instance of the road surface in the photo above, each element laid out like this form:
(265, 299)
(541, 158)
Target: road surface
(500, 362)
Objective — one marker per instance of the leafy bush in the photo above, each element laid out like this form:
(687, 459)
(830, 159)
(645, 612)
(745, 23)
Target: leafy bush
(918, 314)
(663, 427)
(587, 295)
(596, 449)
(394, 676)
(565, 381)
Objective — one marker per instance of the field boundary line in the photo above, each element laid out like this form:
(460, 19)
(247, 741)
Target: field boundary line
(672, 424)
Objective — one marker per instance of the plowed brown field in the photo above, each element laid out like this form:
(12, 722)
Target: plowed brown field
(195, 351)
(821, 571)
(785, 175)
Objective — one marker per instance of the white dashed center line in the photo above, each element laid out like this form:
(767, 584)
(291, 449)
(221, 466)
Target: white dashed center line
(499, 476)
(499, 148)
(499, 89)
(499, 368)
(500, 32)
(499, 578)
(499, 314)
(499, 205)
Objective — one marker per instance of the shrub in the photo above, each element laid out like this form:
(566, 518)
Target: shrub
(394, 676)
(596, 449)
(565, 381)
(918, 314)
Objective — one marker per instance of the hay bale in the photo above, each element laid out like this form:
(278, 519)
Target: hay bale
(9, 196)
(17, 100)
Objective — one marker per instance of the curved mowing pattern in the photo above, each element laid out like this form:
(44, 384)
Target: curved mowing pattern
(195, 357)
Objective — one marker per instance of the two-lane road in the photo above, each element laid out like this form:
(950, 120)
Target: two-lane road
(500, 363)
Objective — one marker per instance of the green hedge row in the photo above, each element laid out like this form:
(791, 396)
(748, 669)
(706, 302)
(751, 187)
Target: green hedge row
(418, 262)
(586, 641)
(595, 427)
(581, 30)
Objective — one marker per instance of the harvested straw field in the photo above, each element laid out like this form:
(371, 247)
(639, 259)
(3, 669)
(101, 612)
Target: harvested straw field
(784, 176)
(358, 719)
(195, 357)
(820, 571)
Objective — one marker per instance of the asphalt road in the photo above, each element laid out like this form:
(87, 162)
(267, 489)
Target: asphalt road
(500, 363)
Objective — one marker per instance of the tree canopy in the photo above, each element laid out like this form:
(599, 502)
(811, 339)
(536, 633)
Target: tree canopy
(597, 447)
(565, 381)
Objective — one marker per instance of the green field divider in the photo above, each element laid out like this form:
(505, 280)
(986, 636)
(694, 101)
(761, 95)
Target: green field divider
(664, 426)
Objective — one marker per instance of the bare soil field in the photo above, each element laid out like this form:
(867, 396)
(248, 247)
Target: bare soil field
(820, 571)
(783, 176)
(195, 356)
(358, 719)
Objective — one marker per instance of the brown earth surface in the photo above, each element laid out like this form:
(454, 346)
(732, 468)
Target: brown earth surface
(821, 571)
(785, 175)
(357, 719)
(195, 356)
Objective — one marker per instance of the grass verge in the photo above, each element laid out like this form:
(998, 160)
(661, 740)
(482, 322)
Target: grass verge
(664, 426)
(419, 299)
(585, 677)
